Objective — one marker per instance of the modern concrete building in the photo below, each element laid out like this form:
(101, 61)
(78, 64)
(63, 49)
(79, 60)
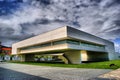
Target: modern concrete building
(76, 46)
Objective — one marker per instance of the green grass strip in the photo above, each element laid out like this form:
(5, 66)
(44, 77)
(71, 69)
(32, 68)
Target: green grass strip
(94, 65)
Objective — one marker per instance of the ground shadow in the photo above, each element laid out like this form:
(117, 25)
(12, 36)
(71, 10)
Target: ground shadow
(102, 79)
(7, 74)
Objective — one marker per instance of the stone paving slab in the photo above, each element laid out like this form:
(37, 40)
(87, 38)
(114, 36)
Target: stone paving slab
(11, 71)
(113, 75)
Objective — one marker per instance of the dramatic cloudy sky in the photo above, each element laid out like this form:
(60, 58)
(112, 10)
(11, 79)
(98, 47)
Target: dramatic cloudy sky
(21, 19)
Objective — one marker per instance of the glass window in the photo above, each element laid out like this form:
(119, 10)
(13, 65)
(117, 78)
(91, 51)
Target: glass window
(69, 41)
(73, 42)
(91, 45)
(66, 41)
(36, 46)
(59, 42)
(46, 44)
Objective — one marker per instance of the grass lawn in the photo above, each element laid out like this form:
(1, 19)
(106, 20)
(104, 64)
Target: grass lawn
(95, 65)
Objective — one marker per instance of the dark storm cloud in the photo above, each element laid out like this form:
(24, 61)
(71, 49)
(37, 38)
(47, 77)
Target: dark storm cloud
(117, 23)
(41, 21)
(44, 2)
(8, 33)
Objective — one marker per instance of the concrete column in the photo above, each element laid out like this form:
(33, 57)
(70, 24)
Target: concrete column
(63, 59)
(27, 57)
(73, 56)
(22, 58)
(84, 56)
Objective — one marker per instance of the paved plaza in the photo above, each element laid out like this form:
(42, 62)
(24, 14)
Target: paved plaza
(11, 71)
(113, 75)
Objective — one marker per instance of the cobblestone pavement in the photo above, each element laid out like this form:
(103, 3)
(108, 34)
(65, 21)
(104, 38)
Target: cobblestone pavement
(11, 71)
(113, 75)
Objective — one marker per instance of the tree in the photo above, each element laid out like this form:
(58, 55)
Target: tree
(2, 56)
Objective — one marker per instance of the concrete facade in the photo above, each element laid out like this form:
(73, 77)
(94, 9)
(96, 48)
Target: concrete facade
(117, 55)
(76, 45)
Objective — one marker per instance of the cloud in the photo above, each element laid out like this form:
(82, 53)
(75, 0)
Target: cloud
(98, 17)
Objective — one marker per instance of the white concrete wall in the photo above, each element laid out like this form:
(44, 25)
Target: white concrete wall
(45, 37)
(80, 35)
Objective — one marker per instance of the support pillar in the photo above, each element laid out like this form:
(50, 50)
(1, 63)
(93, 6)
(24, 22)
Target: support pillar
(74, 57)
(84, 55)
(63, 59)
